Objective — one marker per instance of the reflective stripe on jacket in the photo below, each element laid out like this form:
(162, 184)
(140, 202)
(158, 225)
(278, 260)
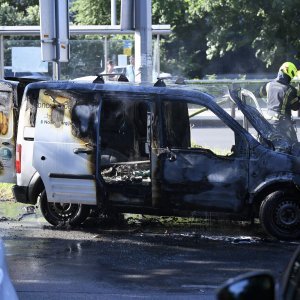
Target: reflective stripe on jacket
(282, 98)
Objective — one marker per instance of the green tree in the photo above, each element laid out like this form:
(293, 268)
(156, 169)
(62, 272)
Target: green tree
(91, 12)
(268, 27)
(14, 12)
(184, 52)
(32, 15)
(9, 15)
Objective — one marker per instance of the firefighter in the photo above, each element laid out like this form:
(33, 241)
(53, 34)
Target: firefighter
(282, 98)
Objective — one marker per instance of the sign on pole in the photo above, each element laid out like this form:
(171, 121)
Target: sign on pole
(54, 20)
(127, 14)
(127, 47)
(62, 21)
(143, 40)
(48, 34)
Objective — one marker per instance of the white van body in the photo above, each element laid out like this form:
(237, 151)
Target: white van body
(25, 138)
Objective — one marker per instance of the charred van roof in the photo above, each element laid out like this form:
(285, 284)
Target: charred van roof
(174, 90)
(172, 93)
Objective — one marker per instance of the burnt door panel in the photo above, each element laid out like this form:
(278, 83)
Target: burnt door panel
(125, 148)
(203, 163)
(199, 179)
(7, 131)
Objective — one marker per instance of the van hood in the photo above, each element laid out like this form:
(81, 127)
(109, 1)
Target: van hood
(267, 132)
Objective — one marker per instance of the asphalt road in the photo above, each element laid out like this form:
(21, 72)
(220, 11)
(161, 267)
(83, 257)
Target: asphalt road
(145, 260)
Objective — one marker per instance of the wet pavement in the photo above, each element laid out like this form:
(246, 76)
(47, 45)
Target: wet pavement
(152, 258)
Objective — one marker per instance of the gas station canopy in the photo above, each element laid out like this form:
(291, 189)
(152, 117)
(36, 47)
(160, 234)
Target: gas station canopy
(81, 29)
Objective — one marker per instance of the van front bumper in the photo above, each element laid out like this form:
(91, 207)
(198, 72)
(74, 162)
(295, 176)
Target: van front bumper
(21, 193)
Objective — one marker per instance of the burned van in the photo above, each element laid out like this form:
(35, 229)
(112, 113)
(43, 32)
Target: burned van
(144, 149)
(11, 92)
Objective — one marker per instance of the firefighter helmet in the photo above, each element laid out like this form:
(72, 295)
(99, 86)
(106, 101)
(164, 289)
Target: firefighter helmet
(289, 69)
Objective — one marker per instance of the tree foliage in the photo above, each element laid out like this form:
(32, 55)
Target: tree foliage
(19, 12)
(91, 12)
(208, 36)
(269, 27)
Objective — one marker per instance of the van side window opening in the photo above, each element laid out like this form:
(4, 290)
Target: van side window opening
(177, 124)
(124, 135)
(193, 126)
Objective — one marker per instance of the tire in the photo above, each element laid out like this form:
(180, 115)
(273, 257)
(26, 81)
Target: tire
(63, 213)
(279, 215)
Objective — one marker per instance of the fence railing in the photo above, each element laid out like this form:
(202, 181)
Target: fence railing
(219, 88)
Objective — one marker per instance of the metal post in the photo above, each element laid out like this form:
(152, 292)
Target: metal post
(56, 64)
(158, 54)
(105, 54)
(55, 70)
(113, 14)
(143, 41)
(1, 57)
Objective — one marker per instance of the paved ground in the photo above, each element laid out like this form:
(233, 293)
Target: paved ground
(149, 259)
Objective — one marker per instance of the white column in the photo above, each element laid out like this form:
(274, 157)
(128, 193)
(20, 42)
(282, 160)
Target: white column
(1, 57)
(143, 41)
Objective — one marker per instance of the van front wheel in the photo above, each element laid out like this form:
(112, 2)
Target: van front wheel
(280, 215)
(63, 213)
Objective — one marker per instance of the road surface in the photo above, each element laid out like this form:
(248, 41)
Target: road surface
(149, 259)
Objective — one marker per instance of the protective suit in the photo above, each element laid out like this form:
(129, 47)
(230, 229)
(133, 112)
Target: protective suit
(282, 98)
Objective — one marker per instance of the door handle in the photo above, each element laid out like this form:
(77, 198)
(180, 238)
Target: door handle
(82, 150)
(171, 156)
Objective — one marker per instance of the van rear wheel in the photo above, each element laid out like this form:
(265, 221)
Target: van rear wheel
(280, 215)
(63, 213)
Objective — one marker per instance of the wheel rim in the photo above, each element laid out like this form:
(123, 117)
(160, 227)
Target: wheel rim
(287, 214)
(63, 211)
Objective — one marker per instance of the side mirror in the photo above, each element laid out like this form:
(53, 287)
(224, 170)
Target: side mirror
(258, 286)
(291, 279)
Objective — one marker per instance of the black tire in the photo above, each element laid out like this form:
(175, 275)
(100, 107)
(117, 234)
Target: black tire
(279, 215)
(63, 213)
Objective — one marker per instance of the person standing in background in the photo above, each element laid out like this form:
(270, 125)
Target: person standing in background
(109, 70)
(110, 67)
(130, 69)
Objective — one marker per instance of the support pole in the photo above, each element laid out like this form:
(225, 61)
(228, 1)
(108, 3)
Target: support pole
(113, 12)
(1, 57)
(158, 54)
(56, 64)
(105, 54)
(56, 70)
(143, 41)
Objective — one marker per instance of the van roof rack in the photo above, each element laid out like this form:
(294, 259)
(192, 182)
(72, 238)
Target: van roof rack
(180, 80)
(160, 83)
(99, 79)
(123, 78)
